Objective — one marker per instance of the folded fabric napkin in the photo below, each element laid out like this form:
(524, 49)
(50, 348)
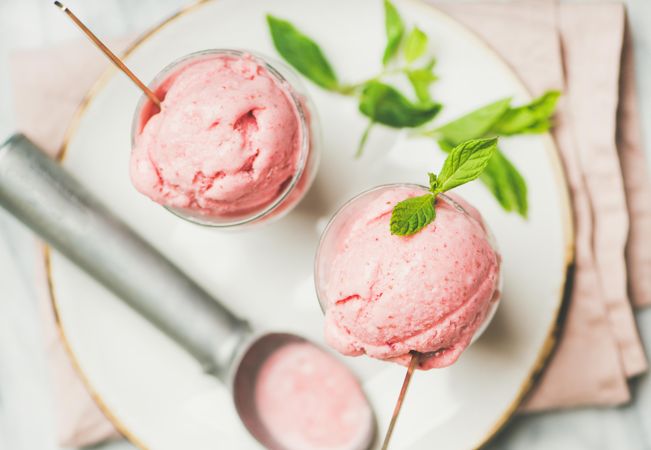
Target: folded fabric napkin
(582, 50)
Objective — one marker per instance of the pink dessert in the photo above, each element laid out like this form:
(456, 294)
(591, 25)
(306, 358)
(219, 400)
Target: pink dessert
(227, 142)
(387, 295)
(307, 400)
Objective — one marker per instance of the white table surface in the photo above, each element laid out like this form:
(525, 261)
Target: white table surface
(26, 410)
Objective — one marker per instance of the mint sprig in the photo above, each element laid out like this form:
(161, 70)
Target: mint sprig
(532, 118)
(465, 163)
(499, 118)
(380, 102)
(472, 125)
(406, 55)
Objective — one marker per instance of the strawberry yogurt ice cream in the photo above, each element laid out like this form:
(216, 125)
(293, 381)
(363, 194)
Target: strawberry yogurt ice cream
(387, 295)
(308, 400)
(227, 143)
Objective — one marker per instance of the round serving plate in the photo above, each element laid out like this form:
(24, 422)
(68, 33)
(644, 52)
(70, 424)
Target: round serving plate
(157, 395)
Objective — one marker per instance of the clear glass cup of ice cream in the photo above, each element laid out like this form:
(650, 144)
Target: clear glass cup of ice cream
(383, 295)
(236, 142)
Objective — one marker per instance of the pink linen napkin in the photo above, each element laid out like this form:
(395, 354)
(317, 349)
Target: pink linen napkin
(637, 182)
(574, 48)
(577, 48)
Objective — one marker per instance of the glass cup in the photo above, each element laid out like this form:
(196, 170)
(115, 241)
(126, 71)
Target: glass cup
(290, 192)
(345, 217)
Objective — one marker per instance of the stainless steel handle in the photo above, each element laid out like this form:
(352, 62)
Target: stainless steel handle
(40, 193)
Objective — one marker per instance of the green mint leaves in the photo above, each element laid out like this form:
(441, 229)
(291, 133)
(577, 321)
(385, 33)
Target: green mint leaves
(465, 163)
(384, 104)
(532, 118)
(412, 215)
(473, 125)
(303, 53)
(379, 101)
(506, 184)
(499, 118)
(395, 29)
(406, 55)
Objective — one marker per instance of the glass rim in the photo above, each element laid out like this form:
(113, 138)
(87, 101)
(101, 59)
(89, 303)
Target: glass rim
(287, 87)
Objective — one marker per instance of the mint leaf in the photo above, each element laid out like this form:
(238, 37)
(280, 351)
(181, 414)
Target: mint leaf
(395, 29)
(411, 215)
(421, 79)
(506, 184)
(503, 180)
(532, 118)
(475, 124)
(499, 119)
(500, 176)
(465, 163)
(384, 104)
(415, 45)
(302, 53)
(433, 182)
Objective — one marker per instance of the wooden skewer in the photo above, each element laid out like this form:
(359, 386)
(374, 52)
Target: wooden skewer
(415, 357)
(112, 56)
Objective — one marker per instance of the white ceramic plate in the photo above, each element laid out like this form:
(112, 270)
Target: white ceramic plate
(156, 394)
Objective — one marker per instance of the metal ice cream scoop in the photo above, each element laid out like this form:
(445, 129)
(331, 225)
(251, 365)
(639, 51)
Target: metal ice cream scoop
(46, 198)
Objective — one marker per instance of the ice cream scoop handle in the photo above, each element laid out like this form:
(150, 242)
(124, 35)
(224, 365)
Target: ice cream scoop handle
(45, 197)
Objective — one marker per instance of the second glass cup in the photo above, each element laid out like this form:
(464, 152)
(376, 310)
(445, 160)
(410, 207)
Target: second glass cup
(237, 142)
(383, 295)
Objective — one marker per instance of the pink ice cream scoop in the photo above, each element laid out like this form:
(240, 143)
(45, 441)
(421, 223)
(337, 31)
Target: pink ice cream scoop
(307, 400)
(387, 295)
(229, 142)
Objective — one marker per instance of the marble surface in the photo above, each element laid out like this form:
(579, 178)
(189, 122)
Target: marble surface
(26, 410)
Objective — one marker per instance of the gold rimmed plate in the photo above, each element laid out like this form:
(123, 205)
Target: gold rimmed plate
(156, 394)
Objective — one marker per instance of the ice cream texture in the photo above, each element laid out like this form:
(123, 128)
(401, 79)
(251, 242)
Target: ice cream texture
(387, 295)
(226, 142)
(308, 400)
